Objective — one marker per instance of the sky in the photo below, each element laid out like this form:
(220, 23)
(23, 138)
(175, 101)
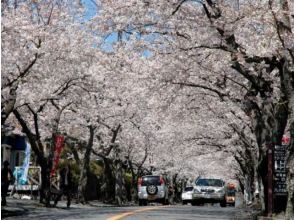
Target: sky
(91, 8)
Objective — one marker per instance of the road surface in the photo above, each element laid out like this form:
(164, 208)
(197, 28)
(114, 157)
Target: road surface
(27, 210)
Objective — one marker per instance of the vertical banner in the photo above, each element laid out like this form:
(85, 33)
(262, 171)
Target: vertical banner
(25, 167)
(58, 145)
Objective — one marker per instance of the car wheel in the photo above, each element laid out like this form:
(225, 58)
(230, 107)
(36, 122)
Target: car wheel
(140, 202)
(193, 203)
(184, 202)
(164, 201)
(223, 204)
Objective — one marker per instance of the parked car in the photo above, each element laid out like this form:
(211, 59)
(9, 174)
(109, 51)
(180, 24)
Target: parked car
(187, 195)
(152, 188)
(209, 190)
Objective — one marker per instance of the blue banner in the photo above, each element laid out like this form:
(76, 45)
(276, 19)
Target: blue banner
(25, 167)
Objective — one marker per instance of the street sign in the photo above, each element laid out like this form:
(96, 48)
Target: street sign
(280, 187)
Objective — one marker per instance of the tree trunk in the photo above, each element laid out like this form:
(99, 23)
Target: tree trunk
(290, 187)
(118, 183)
(247, 187)
(85, 168)
(108, 187)
(134, 187)
(8, 106)
(290, 163)
(261, 189)
(45, 190)
(120, 192)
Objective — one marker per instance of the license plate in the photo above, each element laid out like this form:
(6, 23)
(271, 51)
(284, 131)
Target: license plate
(207, 196)
(151, 197)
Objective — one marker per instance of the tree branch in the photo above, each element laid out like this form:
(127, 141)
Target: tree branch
(220, 94)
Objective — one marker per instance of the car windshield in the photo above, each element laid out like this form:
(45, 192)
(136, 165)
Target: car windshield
(150, 180)
(231, 192)
(187, 189)
(209, 182)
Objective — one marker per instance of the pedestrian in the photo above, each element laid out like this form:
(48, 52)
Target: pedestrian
(6, 179)
(65, 185)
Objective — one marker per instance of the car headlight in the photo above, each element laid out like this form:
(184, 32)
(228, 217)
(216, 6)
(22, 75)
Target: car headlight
(221, 191)
(196, 191)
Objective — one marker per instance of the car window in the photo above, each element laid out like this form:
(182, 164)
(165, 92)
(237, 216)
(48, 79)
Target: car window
(187, 189)
(231, 192)
(209, 182)
(150, 180)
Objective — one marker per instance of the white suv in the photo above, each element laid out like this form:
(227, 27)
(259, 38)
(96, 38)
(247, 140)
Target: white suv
(152, 188)
(209, 190)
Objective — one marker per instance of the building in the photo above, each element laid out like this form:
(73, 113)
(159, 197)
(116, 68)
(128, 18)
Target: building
(13, 149)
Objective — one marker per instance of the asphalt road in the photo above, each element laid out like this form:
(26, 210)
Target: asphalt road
(188, 213)
(32, 211)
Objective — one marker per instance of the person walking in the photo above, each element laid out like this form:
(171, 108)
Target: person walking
(65, 185)
(6, 179)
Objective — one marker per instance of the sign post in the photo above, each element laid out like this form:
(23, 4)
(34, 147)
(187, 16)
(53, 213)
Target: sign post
(280, 187)
(280, 184)
(270, 181)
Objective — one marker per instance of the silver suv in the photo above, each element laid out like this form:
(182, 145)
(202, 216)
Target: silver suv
(152, 188)
(209, 190)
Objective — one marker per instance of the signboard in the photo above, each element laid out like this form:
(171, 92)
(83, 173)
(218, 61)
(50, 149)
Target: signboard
(59, 140)
(33, 182)
(280, 187)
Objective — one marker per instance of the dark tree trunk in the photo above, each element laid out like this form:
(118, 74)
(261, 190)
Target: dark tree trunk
(134, 187)
(290, 161)
(118, 183)
(8, 106)
(45, 194)
(85, 168)
(44, 162)
(108, 187)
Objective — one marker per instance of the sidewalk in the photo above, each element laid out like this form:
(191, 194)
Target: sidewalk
(16, 207)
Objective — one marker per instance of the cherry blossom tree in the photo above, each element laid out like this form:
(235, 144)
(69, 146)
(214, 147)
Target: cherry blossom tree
(204, 80)
(255, 46)
(42, 75)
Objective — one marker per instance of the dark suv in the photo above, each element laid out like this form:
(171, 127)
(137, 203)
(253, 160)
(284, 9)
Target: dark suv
(152, 188)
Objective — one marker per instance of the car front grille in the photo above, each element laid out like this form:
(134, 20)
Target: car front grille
(207, 190)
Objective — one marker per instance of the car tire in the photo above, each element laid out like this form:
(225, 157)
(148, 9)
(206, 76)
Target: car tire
(140, 202)
(193, 203)
(184, 202)
(166, 201)
(152, 189)
(223, 204)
